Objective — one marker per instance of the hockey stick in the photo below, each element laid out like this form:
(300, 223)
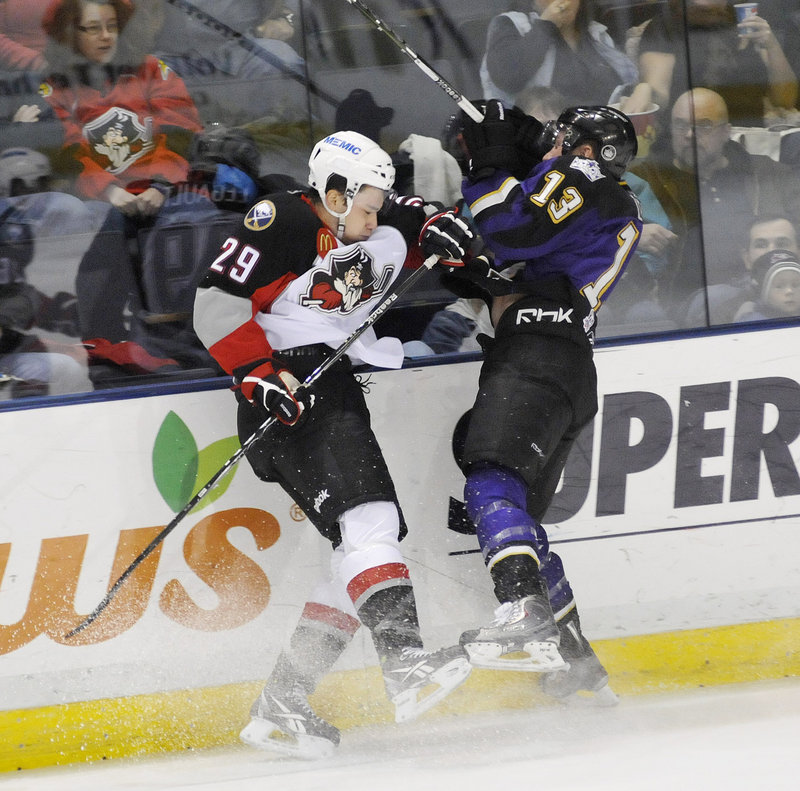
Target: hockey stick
(467, 106)
(251, 440)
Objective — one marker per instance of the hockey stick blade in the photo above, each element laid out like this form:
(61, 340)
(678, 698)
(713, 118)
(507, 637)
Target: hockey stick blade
(249, 442)
(458, 520)
(470, 109)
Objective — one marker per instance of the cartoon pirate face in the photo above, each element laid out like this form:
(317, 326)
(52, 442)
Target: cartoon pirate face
(353, 269)
(348, 282)
(114, 136)
(118, 138)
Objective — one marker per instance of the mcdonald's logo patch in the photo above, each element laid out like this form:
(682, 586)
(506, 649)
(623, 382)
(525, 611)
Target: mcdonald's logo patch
(326, 242)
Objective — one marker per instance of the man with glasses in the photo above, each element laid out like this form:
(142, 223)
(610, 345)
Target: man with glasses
(710, 190)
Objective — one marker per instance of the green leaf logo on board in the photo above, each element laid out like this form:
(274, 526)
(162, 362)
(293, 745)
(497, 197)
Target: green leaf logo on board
(180, 469)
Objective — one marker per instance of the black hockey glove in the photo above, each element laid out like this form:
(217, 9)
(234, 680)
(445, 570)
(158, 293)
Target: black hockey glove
(274, 391)
(491, 143)
(448, 236)
(477, 279)
(529, 143)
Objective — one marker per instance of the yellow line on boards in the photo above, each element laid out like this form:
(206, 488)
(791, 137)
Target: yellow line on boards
(212, 717)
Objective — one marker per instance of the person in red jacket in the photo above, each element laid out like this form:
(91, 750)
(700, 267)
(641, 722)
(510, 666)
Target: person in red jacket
(128, 122)
(21, 36)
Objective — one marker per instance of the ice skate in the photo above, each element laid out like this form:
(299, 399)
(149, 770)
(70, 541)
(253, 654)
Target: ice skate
(585, 674)
(523, 636)
(282, 721)
(416, 680)
(585, 679)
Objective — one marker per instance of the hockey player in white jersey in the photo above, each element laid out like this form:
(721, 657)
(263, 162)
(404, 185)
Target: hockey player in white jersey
(300, 274)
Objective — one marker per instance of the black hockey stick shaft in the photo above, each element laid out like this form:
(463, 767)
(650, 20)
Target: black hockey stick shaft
(467, 106)
(250, 441)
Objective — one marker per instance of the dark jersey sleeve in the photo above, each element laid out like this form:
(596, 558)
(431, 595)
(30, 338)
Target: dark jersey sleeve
(569, 218)
(278, 240)
(277, 237)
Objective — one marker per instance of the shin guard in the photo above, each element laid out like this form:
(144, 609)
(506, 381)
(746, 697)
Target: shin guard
(319, 639)
(511, 540)
(559, 590)
(385, 602)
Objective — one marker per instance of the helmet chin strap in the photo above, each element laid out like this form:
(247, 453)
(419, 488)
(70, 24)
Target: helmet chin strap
(340, 216)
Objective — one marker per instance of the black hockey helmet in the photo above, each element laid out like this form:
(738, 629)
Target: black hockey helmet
(609, 129)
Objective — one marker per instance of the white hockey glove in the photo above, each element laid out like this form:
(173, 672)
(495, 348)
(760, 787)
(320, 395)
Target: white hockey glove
(274, 391)
(448, 236)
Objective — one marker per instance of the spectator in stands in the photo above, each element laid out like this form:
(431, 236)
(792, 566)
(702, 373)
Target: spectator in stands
(358, 112)
(743, 63)
(776, 278)
(26, 184)
(22, 39)
(274, 34)
(128, 126)
(712, 177)
(22, 42)
(719, 302)
(221, 47)
(30, 365)
(784, 19)
(767, 233)
(210, 42)
(555, 43)
(40, 297)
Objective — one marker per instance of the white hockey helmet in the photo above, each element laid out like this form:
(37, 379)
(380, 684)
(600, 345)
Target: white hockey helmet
(23, 170)
(356, 158)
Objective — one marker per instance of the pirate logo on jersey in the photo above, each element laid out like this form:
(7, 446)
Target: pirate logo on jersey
(118, 138)
(349, 282)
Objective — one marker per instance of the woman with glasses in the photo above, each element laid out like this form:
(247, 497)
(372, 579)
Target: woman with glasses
(128, 122)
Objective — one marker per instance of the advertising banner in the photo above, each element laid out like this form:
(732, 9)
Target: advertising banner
(679, 508)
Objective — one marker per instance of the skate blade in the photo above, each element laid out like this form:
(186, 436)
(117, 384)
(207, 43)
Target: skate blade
(264, 735)
(605, 697)
(535, 657)
(409, 705)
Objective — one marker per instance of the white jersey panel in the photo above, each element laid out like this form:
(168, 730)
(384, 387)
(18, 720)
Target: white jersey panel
(329, 301)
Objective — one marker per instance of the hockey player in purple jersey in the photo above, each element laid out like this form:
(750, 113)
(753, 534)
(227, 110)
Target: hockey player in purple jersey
(561, 233)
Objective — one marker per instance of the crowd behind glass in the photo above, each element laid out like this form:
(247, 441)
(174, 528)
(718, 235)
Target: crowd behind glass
(135, 133)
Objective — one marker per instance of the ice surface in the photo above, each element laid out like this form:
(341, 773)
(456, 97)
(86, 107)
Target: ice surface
(742, 736)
